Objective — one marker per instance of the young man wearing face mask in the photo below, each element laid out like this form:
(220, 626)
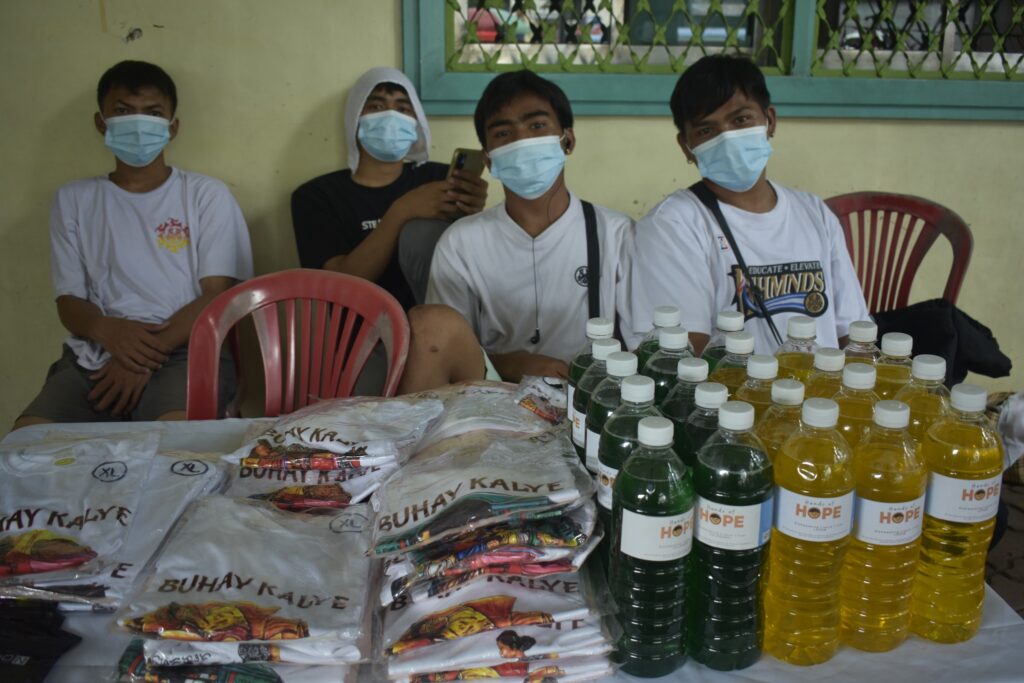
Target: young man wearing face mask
(136, 255)
(791, 242)
(519, 272)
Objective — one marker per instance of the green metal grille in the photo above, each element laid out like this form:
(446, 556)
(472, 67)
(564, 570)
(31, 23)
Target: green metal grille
(979, 39)
(614, 36)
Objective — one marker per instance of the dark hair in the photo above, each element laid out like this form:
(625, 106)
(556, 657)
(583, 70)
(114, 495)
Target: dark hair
(135, 76)
(390, 88)
(507, 86)
(709, 84)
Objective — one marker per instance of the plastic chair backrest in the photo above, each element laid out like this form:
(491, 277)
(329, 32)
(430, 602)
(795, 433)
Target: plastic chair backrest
(888, 235)
(316, 330)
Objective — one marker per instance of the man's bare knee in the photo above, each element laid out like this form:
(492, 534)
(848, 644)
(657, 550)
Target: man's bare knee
(434, 326)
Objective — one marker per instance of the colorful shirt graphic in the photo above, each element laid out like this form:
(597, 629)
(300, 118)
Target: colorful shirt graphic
(173, 235)
(797, 287)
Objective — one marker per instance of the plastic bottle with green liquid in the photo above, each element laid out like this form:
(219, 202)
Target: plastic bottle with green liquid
(925, 393)
(827, 376)
(782, 417)
(725, 322)
(856, 400)
(597, 328)
(605, 398)
(881, 563)
(861, 347)
(703, 421)
(664, 316)
(757, 388)
(681, 400)
(813, 520)
(663, 365)
(652, 536)
(734, 486)
(796, 355)
(592, 376)
(732, 369)
(964, 457)
(894, 365)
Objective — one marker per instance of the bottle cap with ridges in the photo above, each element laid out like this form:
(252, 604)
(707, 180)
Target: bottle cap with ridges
(787, 392)
(692, 369)
(928, 367)
(863, 332)
(736, 415)
(892, 414)
(969, 398)
(622, 364)
(762, 367)
(602, 348)
(710, 394)
(666, 316)
(859, 376)
(897, 344)
(600, 328)
(820, 412)
(673, 338)
(829, 360)
(638, 389)
(801, 327)
(655, 431)
(729, 321)
(739, 342)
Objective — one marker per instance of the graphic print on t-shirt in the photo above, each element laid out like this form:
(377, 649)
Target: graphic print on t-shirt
(580, 276)
(173, 235)
(797, 287)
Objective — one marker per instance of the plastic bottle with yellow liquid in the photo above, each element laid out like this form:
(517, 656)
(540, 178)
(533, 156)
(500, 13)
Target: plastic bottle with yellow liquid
(757, 388)
(926, 395)
(964, 457)
(813, 520)
(827, 376)
(862, 348)
(881, 563)
(732, 369)
(796, 355)
(727, 321)
(894, 365)
(856, 400)
(782, 417)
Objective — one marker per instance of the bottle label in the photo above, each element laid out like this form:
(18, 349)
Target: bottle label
(962, 500)
(888, 523)
(657, 539)
(570, 412)
(813, 518)
(605, 481)
(593, 441)
(733, 527)
(579, 428)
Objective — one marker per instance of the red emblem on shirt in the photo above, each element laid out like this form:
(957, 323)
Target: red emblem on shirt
(173, 235)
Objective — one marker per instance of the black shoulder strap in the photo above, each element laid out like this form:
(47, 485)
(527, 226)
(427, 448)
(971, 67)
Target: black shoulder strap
(593, 261)
(708, 199)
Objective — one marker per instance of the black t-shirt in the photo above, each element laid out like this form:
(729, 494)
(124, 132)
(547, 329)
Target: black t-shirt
(332, 214)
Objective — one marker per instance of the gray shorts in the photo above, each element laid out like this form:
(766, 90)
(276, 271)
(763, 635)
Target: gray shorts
(64, 396)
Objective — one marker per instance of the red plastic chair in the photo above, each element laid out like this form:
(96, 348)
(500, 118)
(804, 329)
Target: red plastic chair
(889, 234)
(331, 323)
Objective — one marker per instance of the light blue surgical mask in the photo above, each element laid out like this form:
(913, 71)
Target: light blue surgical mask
(528, 167)
(137, 139)
(387, 135)
(734, 159)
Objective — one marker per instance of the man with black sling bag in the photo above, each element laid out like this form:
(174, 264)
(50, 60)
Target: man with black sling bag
(734, 240)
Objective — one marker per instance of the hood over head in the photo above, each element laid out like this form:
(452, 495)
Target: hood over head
(354, 107)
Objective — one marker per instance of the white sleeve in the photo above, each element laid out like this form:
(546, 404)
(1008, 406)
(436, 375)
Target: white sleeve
(223, 248)
(66, 262)
(847, 297)
(449, 285)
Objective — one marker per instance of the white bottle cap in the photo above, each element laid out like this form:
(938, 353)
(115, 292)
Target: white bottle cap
(729, 321)
(736, 415)
(829, 360)
(820, 412)
(801, 327)
(739, 342)
(897, 344)
(673, 338)
(655, 431)
(692, 369)
(600, 328)
(622, 364)
(787, 392)
(762, 367)
(859, 376)
(666, 316)
(892, 414)
(928, 367)
(710, 395)
(602, 348)
(863, 332)
(969, 398)
(638, 389)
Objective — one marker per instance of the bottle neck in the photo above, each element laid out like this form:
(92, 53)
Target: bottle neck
(634, 405)
(798, 345)
(894, 360)
(928, 384)
(857, 393)
(970, 417)
(706, 411)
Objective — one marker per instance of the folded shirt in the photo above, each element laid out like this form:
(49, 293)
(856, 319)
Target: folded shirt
(576, 670)
(307, 490)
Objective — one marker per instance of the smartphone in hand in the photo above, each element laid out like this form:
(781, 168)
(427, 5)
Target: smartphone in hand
(469, 161)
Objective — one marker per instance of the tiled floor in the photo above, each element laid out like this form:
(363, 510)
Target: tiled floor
(1005, 567)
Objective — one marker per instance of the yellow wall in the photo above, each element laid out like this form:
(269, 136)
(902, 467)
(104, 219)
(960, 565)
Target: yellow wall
(261, 86)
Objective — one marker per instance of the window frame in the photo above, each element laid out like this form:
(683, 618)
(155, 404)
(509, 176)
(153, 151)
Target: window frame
(798, 94)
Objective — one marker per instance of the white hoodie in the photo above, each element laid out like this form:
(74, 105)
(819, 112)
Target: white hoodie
(354, 107)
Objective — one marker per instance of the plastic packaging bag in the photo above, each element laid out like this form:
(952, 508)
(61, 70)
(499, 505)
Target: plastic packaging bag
(475, 480)
(67, 505)
(307, 490)
(575, 670)
(543, 396)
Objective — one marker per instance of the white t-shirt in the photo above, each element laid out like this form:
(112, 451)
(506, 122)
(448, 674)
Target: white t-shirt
(796, 252)
(483, 267)
(141, 255)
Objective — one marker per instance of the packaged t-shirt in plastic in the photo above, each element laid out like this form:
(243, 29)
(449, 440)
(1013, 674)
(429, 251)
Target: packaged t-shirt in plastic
(307, 490)
(475, 480)
(576, 670)
(241, 581)
(66, 506)
(341, 433)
